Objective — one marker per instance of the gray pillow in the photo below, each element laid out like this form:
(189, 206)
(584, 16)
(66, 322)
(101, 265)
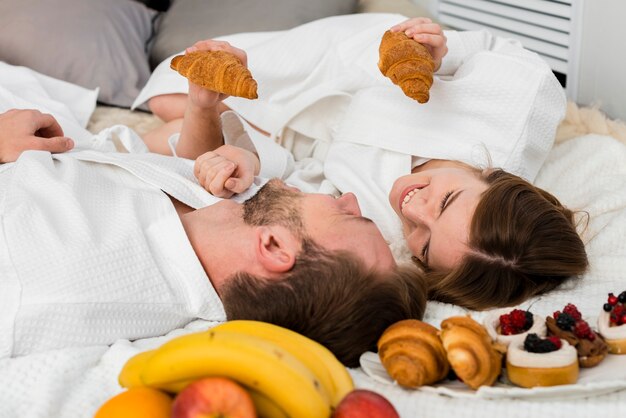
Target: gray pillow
(92, 43)
(188, 21)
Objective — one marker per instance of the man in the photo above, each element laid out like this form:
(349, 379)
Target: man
(100, 246)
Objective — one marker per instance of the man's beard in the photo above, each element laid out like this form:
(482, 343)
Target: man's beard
(274, 204)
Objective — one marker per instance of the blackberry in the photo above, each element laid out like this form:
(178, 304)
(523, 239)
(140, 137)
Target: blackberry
(534, 344)
(529, 321)
(622, 297)
(565, 322)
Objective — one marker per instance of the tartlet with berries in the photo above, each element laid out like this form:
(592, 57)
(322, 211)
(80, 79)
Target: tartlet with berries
(570, 326)
(506, 325)
(537, 361)
(612, 323)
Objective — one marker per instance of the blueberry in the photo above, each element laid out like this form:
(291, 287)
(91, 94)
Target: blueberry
(622, 297)
(565, 322)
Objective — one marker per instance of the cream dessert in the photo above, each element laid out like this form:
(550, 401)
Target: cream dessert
(612, 323)
(535, 361)
(505, 325)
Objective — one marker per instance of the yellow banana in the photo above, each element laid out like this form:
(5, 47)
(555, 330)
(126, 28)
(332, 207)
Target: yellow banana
(251, 361)
(330, 372)
(130, 376)
(265, 407)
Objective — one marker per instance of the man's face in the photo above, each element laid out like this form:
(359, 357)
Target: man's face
(334, 224)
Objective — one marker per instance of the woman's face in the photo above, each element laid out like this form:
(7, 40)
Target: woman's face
(436, 207)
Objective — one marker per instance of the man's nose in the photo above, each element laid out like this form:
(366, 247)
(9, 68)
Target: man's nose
(349, 204)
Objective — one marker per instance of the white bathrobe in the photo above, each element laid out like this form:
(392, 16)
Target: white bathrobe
(322, 96)
(91, 248)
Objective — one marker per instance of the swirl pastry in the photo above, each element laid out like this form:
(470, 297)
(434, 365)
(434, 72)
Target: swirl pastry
(412, 353)
(470, 351)
(407, 63)
(218, 71)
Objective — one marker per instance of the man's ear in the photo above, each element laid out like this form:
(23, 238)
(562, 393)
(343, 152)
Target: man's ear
(276, 248)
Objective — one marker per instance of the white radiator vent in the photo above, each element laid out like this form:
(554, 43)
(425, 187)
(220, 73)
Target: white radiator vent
(543, 26)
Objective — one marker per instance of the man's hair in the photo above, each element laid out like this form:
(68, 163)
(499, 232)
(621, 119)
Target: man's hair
(330, 298)
(523, 242)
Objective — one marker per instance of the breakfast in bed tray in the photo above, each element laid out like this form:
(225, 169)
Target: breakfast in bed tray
(512, 353)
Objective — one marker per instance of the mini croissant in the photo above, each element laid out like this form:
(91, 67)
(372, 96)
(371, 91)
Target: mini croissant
(470, 351)
(412, 353)
(407, 63)
(218, 71)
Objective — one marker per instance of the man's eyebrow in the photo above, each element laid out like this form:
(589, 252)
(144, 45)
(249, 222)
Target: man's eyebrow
(450, 201)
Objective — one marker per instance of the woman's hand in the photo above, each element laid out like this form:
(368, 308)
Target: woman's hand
(227, 170)
(430, 34)
(200, 96)
(23, 130)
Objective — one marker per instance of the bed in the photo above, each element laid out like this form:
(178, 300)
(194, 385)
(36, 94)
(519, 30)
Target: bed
(586, 169)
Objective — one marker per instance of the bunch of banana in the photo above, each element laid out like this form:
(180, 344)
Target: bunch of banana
(286, 373)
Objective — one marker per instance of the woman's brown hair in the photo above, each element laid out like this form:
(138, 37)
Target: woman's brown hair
(523, 242)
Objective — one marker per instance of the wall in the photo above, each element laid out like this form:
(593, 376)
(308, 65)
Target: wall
(602, 61)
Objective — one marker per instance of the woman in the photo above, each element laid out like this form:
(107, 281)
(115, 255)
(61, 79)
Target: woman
(484, 237)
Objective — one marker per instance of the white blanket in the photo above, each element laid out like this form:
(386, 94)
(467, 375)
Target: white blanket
(586, 172)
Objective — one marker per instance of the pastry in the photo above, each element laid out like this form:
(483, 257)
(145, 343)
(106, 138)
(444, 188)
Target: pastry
(612, 323)
(407, 63)
(412, 353)
(506, 325)
(470, 351)
(218, 71)
(541, 362)
(569, 325)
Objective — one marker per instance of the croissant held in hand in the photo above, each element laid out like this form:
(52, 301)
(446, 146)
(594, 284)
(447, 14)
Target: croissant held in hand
(407, 63)
(471, 353)
(218, 71)
(412, 353)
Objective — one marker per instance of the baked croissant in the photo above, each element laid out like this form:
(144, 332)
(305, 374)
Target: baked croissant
(470, 351)
(412, 353)
(407, 63)
(218, 71)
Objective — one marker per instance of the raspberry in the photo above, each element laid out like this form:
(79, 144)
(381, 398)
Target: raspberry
(614, 319)
(591, 336)
(572, 311)
(556, 341)
(507, 330)
(612, 299)
(565, 322)
(518, 318)
(622, 320)
(556, 314)
(534, 344)
(581, 329)
(619, 310)
(505, 320)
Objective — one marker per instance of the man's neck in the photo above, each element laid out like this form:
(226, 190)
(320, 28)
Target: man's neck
(180, 207)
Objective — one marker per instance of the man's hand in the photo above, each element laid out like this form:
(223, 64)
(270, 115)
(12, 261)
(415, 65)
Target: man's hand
(430, 34)
(23, 130)
(200, 96)
(227, 170)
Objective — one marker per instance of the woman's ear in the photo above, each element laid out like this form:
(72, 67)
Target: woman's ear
(276, 249)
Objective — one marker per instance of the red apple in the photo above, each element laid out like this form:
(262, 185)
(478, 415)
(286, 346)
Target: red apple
(362, 403)
(213, 395)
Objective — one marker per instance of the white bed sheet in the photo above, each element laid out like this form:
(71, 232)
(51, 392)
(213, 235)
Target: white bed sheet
(588, 172)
